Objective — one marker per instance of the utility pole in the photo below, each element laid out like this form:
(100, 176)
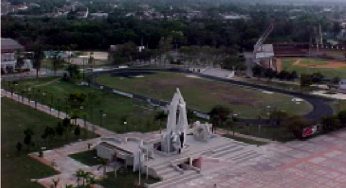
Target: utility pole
(139, 167)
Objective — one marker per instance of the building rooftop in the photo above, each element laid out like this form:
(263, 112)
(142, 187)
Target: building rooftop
(265, 51)
(10, 45)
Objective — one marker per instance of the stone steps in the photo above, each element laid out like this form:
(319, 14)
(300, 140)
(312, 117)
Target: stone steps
(170, 174)
(226, 152)
(247, 158)
(227, 147)
(239, 155)
(165, 170)
(188, 175)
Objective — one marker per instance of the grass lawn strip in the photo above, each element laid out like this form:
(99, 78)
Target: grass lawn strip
(18, 168)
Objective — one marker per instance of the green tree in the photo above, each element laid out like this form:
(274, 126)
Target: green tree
(28, 133)
(330, 123)
(77, 131)
(37, 59)
(19, 146)
(277, 117)
(342, 117)
(59, 129)
(296, 124)
(20, 60)
(57, 61)
(160, 116)
(73, 71)
(91, 60)
(305, 80)
(79, 175)
(218, 115)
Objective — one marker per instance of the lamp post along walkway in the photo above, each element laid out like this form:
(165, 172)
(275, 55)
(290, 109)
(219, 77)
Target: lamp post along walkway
(56, 113)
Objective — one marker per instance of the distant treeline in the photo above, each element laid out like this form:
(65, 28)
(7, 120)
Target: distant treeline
(210, 30)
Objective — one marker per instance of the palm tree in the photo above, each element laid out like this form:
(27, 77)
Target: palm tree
(55, 182)
(90, 180)
(85, 177)
(79, 174)
(104, 164)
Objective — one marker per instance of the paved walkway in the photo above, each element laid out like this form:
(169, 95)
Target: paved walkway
(59, 160)
(58, 114)
(318, 162)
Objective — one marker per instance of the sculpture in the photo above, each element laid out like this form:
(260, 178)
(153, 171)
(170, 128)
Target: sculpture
(175, 136)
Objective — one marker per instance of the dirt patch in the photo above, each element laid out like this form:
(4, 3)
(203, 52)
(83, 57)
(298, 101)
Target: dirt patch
(297, 62)
(333, 65)
(328, 65)
(278, 64)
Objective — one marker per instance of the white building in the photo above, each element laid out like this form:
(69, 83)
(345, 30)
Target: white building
(9, 49)
(342, 86)
(264, 56)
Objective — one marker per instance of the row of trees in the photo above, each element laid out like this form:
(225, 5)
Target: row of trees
(309, 79)
(221, 117)
(334, 122)
(62, 130)
(118, 29)
(259, 71)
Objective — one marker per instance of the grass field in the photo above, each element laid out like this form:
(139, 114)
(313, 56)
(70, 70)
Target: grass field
(328, 68)
(203, 94)
(139, 116)
(87, 157)
(17, 168)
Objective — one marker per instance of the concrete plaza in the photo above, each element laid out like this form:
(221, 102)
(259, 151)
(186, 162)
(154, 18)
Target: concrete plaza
(318, 162)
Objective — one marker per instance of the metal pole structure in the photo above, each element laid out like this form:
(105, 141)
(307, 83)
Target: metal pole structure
(83, 69)
(51, 102)
(36, 98)
(139, 167)
(66, 103)
(58, 107)
(101, 117)
(147, 162)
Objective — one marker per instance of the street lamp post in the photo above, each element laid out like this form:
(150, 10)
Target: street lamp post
(51, 102)
(125, 127)
(58, 107)
(102, 115)
(29, 95)
(139, 167)
(83, 69)
(35, 96)
(66, 106)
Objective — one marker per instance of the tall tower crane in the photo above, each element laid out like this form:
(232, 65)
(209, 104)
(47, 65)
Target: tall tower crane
(260, 41)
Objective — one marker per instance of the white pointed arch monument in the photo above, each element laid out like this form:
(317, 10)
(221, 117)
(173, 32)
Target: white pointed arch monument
(173, 140)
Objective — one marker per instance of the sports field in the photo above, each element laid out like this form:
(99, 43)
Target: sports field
(329, 68)
(204, 94)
